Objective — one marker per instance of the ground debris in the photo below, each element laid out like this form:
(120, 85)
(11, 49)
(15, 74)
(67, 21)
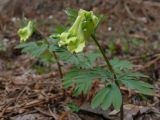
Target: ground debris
(131, 31)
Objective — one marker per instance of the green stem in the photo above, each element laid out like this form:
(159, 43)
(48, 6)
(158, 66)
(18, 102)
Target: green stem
(121, 111)
(53, 54)
(110, 69)
(58, 64)
(104, 56)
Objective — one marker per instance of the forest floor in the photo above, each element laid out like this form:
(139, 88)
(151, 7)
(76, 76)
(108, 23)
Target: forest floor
(131, 31)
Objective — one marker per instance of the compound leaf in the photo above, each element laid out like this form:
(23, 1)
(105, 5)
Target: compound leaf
(120, 64)
(34, 48)
(82, 78)
(135, 75)
(140, 86)
(82, 87)
(107, 100)
(117, 97)
(99, 97)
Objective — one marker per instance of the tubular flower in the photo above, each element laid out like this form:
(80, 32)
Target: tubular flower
(26, 32)
(79, 32)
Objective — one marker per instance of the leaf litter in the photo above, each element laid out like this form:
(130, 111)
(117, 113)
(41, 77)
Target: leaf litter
(24, 94)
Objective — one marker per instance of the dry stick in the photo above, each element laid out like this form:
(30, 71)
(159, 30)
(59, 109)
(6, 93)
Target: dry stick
(111, 70)
(43, 112)
(55, 116)
(151, 62)
(53, 54)
(20, 94)
(2, 112)
(63, 116)
(146, 3)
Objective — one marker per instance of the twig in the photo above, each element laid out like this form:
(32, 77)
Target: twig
(20, 94)
(91, 113)
(63, 116)
(55, 116)
(150, 3)
(43, 112)
(147, 3)
(146, 56)
(151, 62)
(3, 111)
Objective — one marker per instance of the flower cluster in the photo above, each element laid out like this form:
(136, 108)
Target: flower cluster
(84, 25)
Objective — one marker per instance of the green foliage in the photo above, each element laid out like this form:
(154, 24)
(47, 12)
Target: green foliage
(80, 60)
(33, 48)
(59, 29)
(107, 96)
(140, 86)
(73, 107)
(72, 14)
(102, 98)
(119, 65)
(117, 99)
(82, 79)
(40, 69)
(37, 49)
(43, 51)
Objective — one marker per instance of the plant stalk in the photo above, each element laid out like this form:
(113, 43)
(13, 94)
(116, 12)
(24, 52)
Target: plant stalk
(110, 69)
(58, 64)
(53, 54)
(104, 56)
(121, 111)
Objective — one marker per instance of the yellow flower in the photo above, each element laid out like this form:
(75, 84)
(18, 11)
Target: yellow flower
(26, 32)
(79, 32)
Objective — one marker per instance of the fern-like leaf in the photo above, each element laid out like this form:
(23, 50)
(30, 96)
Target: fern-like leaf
(82, 78)
(107, 96)
(120, 64)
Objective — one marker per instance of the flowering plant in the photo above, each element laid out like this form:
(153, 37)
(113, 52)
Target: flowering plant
(117, 73)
